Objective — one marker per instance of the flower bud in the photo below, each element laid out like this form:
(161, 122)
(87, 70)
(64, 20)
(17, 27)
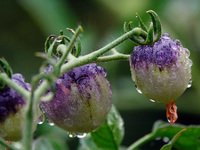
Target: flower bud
(12, 107)
(82, 99)
(161, 71)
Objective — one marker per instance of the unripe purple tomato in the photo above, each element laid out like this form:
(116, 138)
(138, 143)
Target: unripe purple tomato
(82, 99)
(161, 71)
(12, 110)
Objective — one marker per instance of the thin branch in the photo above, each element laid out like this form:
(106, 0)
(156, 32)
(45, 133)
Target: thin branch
(23, 92)
(141, 141)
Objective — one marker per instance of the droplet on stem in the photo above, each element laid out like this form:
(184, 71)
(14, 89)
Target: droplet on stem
(171, 112)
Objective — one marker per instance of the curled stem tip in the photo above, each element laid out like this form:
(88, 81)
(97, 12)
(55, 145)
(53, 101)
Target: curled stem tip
(171, 112)
(148, 36)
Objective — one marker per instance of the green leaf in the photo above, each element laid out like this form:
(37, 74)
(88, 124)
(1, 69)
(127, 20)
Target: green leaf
(189, 137)
(109, 136)
(43, 143)
(170, 144)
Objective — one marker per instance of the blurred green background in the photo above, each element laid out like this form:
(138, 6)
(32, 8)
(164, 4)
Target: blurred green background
(25, 24)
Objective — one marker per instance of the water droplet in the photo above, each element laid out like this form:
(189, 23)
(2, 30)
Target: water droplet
(166, 139)
(2, 133)
(50, 122)
(58, 40)
(190, 83)
(139, 91)
(152, 100)
(166, 37)
(72, 135)
(68, 122)
(191, 63)
(169, 119)
(81, 135)
(187, 52)
(41, 119)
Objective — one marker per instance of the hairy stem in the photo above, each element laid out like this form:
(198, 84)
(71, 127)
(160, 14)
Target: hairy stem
(23, 92)
(118, 56)
(92, 57)
(27, 136)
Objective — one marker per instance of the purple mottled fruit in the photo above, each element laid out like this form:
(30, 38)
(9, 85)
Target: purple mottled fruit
(161, 71)
(12, 110)
(82, 100)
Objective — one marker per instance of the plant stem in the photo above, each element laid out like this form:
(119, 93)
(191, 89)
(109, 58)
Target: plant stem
(69, 47)
(118, 56)
(92, 57)
(27, 136)
(23, 92)
(4, 143)
(141, 141)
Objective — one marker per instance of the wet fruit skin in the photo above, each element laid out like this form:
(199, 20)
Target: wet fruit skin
(12, 108)
(82, 100)
(161, 71)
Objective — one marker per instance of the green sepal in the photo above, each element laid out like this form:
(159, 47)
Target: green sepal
(146, 36)
(47, 43)
(156, 23)
(141, 23)
(149, 39)
(5, 67)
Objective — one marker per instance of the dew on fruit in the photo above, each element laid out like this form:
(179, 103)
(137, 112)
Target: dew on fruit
(78, 135)
(139, 91)
(50, 122)
(41, 119)
(81, 135)
(152, 100)
(190, 83)
(72, 135)
(68, 122)
(2, 133)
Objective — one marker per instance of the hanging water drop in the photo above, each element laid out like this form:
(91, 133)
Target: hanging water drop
(81, 135)
(139, 91)
(190, 83)
(152, 100)
(72, 135)
(41, 119)
(50, 122)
